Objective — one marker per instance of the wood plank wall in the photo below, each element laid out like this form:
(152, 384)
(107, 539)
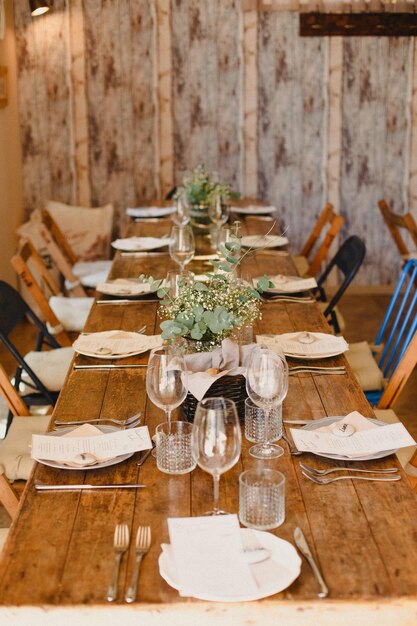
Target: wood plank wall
(119, 98)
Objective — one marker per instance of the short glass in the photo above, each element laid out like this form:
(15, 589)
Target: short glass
(255, 422)
(173, 448)
(262, 499)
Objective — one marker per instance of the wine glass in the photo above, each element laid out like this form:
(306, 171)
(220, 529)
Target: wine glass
(181, 245)
(181, 217)
(166, 379)
(267, 386)
(175, 280)
(218, 214)
(216, 440)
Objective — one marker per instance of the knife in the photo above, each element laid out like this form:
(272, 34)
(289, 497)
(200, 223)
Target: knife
(110, 366)
(302, 545)
(124, 301)
(84, 486)
(143, 254)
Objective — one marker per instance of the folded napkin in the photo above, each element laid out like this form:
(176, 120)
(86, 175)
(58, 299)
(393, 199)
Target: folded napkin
(289, 284)
(204, 368)
(150, 211)
(86, 430)
(124, 287)
(263, 241)
(115, 342)
(136, 244)
(354, 419)
(306, 344)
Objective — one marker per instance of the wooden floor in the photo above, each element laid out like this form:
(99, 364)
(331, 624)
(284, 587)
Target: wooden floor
(363, 315)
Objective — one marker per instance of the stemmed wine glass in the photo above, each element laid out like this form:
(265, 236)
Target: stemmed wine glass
(216, 440)
(181, 217)
(218, 214)
(166, 379)
(181, 245)
(267, 386)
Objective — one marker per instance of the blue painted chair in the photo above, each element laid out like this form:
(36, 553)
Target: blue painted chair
(374, 365)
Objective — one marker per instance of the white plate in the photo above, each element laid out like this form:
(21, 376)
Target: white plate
(64, 431)
(263, 241)
(139, 244)
(326, 421)
(299, 355)
(282, 552)
(253, 210)
(294, 285)
(150, 211)
(153, 341)
(113, 288)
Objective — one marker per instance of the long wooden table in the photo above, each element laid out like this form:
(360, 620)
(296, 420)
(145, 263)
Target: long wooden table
(58, 559)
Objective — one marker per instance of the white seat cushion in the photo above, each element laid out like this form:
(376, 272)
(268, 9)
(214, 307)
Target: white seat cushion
(88, 230)
(301, 264)
(91, 273)
(15, 460)
(50, 366)
(71, 312)
(404, 455)
(364, 366)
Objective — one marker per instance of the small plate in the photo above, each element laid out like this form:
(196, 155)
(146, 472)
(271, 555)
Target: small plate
(64, 431)
(139, 244)
(263, 241)
(326, 421)
(149, 342)
(150, 211)
(253, 210)
(121, 290)
(282, 552)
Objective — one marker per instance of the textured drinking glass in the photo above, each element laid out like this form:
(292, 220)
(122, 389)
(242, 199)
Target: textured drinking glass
(255, 422)
(173, 448)
(262, 499)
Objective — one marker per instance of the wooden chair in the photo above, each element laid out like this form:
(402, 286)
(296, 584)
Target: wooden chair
(311, 257)
(61, 314)
(397, 223)
(78, 275)
(15, 462)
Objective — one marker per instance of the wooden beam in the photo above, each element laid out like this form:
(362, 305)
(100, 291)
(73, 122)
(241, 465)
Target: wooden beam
(358, 24)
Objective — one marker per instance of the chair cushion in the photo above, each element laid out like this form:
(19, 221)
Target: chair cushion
(339, 316)
(15, 460)
(91, 273)
(364, 366)
(88, 230)
(301, 264)
(50, 366)
(71, 312)
(404, 455)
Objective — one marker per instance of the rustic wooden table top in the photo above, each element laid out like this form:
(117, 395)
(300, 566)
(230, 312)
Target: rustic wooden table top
(58, 558)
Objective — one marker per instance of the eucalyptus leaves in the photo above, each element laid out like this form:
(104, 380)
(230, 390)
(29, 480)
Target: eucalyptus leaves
(202, 190)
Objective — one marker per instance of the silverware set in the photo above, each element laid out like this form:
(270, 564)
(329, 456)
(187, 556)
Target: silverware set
(318, 476)
(300, 300)
(317, 370)
(120, 545)
(129, 422)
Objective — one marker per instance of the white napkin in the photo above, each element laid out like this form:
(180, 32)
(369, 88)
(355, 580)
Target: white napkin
(123, 287)
(150, 211)
(204, 368)
(323, 344)
(136, 244)
(355, 419)
(289, 284)
(115, 342)
(263, 241)
(86, 430)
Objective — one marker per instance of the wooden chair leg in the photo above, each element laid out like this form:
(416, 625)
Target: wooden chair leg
(8, 497)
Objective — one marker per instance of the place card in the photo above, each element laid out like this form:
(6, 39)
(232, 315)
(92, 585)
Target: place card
(373, 440)
(105, 446)
(209, 558)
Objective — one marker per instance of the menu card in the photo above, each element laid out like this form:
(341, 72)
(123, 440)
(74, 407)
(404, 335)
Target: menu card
(209, 557)
(103, 447)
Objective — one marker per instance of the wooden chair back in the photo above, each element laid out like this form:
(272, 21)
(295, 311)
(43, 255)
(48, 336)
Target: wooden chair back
(334, 222)
(397, 223)
(32, 271)
(17, 406)
(59, 249)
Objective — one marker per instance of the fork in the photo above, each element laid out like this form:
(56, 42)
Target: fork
(140, 331)
(323, 472)
(143, 543)
(120, 545)
(326, 481)
(134, 419)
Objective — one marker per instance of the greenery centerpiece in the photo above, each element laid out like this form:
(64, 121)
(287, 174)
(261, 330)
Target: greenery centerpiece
(205, 313)
(200, 191)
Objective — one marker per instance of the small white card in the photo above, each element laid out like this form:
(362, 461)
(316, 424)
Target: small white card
(105, 446)
(209, 557)
(389, 437)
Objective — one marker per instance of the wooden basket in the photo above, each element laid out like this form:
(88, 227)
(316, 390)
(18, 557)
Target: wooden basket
(231, 387)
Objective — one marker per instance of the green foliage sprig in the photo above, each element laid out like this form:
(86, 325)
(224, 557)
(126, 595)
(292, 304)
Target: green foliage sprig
(200, 189)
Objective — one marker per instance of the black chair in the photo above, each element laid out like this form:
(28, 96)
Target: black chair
(347, 260)
(13, 309)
